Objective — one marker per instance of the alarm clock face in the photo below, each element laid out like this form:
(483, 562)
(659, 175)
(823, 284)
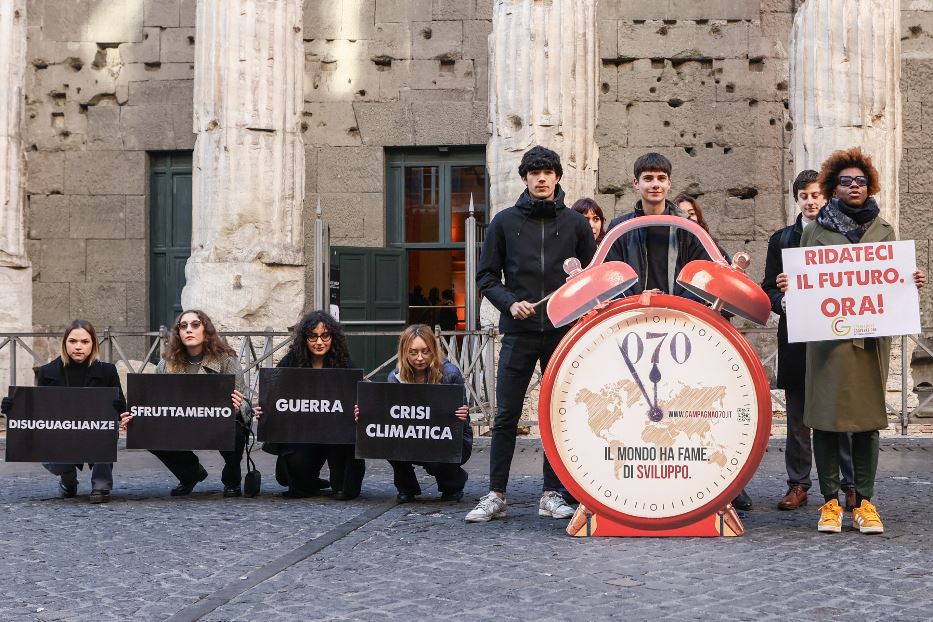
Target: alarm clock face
(654, 411)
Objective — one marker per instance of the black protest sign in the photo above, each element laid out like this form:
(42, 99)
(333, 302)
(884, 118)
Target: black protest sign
(409, 422)
(303, 405)
(73, 425)
(180, 411)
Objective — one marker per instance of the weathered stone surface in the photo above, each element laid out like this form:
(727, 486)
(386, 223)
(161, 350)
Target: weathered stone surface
(441, 123)
(102, 304)
(15, 272)
(683, 40)
(331, 123)
(147, 128)
(116, 260)
(146, 51)
(114, 21)
(105, 172)
(401, 10)
(248, 172)
(862, 74)
(541, 98)
(137, 303)
(46, 172)
(135, 216)
(97, 217)
(160, 13)
(351, 169)
(103, 128)
(64, 21)
(177, 45)
(62, 260)
(385, 123)
(51, 304)
(49, 216)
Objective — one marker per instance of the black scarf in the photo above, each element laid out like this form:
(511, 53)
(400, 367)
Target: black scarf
(848, 220)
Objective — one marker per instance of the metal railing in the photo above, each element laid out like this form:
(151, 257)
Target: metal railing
(473, 352)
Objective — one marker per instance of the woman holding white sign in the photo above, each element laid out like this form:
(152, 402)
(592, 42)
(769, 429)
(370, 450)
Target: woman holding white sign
(194, 347)
(318, 342)
(421, 361)
(845, 381)
(79, 365)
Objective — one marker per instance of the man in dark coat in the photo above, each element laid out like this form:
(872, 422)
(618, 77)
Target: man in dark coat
(792, 357)
(521, 263)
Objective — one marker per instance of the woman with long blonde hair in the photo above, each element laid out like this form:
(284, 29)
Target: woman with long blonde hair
(421, 361)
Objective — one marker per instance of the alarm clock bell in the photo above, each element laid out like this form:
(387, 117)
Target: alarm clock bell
(723, 286)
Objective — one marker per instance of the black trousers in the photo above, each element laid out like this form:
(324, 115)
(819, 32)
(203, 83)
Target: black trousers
(185, 465)
(450, 477)
(519, 355)
(798, 450)
(346, 471)
(300, 466)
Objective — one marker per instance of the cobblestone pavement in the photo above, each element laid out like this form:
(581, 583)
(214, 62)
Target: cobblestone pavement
(148, 556)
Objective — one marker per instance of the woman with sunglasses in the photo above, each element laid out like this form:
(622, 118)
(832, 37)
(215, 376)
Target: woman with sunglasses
(194, 347)
(845, 382)
(79, 365)
(421, 361)
(318, 342)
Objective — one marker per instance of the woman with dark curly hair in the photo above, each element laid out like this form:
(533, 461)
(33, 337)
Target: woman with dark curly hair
(318, 342)
(194, 347)
(593, 213)
(845, 381)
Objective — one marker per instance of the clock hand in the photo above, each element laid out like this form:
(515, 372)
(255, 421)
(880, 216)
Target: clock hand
(635, 376)
(655, 414)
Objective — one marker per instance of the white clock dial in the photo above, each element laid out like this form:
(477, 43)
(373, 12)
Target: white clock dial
(653, 412)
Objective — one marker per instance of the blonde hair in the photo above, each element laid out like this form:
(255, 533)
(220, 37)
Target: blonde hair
(95, 347)
(405, 371)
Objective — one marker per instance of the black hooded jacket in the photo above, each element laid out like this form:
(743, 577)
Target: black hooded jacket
(527, 244)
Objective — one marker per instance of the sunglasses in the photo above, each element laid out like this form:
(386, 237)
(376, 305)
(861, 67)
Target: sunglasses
(324, 337)
(194, 324)
(845, 181)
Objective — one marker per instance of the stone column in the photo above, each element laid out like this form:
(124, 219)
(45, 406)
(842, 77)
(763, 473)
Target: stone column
(246, 266)
(15, 270)
(845, 69)
(543, 81)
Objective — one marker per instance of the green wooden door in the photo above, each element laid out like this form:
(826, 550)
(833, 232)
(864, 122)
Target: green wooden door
(373, 297)
(169, 234)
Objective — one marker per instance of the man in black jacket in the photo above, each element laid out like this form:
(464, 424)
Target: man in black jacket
(527, 245)
(792, 357)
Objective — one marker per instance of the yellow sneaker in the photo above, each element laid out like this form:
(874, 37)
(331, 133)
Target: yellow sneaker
(830, 517)
(866, 518)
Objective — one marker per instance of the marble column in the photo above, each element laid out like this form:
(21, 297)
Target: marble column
(247, 265)
(15, 270)
(543, 81)
(845, 68)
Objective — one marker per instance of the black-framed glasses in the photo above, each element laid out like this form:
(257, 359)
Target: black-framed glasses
(324, 337)
(194, 324)
(847, 180)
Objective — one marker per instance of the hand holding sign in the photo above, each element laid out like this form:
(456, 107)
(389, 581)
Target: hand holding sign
(851, 291)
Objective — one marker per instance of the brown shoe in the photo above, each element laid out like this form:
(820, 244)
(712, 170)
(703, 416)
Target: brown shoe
(795, 497)
(850, 499)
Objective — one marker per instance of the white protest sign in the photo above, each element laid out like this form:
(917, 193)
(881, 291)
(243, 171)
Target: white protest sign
(851, 291)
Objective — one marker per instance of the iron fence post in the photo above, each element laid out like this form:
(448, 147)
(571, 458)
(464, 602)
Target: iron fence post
(107, 348)
(904, 413)
(13, 361)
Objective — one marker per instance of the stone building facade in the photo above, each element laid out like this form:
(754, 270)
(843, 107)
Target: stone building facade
(109, 89)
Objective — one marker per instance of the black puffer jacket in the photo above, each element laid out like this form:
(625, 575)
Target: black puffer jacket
(528, 243)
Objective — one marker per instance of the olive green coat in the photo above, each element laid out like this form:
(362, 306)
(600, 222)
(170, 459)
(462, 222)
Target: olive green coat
(846, 378)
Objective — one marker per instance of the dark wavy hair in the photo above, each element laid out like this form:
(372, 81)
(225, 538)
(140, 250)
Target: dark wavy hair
(338, 356)
(841, 160)
(176, 355)
(582, 206)
(95, 346)
(540, 158)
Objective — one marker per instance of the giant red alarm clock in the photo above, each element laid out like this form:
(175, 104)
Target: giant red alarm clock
(654, 411)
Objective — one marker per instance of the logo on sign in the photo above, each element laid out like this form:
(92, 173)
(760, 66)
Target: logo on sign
(841, 328)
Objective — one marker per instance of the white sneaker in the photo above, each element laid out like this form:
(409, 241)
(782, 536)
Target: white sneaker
(489, 507)
(553, 505)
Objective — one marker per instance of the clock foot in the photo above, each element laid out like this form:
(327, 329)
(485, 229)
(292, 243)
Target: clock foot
(723, 523)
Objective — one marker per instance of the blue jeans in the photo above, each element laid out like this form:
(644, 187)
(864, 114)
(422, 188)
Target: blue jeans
(101, 474)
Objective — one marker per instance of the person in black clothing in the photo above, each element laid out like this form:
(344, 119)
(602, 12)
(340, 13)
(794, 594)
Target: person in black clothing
(526, 245)
(792, 358)
(318, 342)
(78, 366)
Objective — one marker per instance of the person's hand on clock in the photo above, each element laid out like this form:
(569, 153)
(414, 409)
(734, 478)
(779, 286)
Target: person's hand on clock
(522, 310)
